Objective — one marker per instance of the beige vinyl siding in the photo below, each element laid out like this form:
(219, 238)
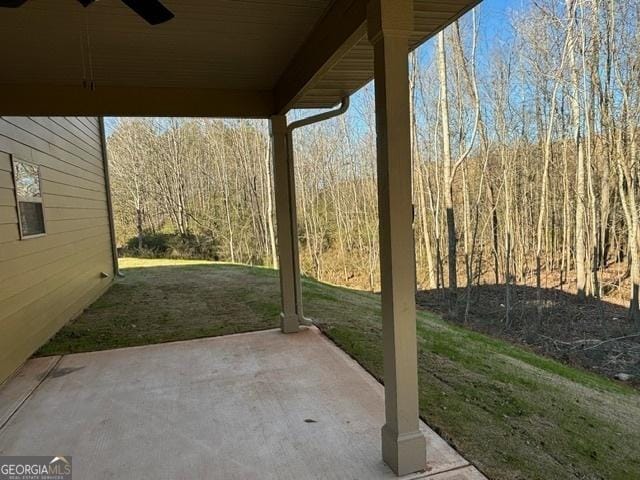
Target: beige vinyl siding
(48, 280)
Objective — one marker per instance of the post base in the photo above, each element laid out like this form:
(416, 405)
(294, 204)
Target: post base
(405, 453)
(289, 323)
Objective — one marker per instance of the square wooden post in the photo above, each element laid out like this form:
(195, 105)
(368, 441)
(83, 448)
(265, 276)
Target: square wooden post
(287, 225)
(389, 24)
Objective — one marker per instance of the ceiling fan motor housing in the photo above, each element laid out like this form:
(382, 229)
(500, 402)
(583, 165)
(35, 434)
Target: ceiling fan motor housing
(152, 11)
(11, 3)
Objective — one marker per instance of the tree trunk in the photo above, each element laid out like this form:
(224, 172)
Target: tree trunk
(139, 227)
(447, 179)
(581, 255)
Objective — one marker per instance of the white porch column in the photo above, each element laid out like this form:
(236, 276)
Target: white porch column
(389, 24)
(287, 225)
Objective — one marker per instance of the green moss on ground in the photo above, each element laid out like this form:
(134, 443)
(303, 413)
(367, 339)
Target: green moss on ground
(515, 414)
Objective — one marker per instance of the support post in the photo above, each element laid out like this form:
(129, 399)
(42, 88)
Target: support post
(389, 24)
(287, 225)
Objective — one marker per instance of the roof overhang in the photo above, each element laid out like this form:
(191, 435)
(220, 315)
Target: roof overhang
(218, 58)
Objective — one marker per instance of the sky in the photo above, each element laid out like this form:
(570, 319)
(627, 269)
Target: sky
(493, 16)
(494, 20)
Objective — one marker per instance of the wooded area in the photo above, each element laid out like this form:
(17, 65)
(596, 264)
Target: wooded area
(525, 166)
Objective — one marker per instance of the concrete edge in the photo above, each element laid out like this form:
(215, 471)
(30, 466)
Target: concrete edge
(425, 427)
(172, 342)
(16, 390)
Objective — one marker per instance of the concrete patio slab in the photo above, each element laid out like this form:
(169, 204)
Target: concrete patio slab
(260, 405)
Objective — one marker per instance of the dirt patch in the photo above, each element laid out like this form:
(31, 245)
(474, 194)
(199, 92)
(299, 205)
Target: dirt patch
(595, 335)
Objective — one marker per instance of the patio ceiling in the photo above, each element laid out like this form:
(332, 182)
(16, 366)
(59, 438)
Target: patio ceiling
(236, 58)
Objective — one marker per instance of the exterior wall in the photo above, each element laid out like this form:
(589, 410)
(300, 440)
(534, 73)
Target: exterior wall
(46, 281)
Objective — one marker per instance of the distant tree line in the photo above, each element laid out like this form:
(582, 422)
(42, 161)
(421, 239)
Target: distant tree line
(205, 180)
(525, 165)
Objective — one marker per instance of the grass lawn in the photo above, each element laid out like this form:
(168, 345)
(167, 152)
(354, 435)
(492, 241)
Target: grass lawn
(516, 415)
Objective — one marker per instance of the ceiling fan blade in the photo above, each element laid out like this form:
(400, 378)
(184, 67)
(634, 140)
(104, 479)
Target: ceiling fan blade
(11, 3)
(152, 11)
